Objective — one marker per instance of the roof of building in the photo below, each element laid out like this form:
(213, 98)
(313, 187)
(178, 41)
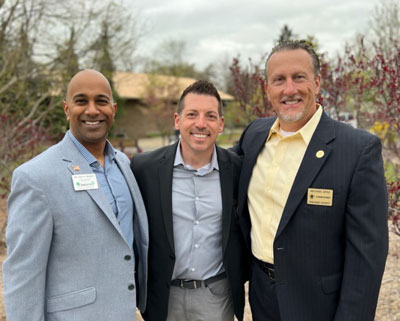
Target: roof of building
(138, 85)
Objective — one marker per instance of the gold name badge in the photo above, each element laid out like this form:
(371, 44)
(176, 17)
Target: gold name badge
(319, 196)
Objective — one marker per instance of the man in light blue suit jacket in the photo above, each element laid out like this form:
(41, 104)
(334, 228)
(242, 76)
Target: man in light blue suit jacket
(75, 251)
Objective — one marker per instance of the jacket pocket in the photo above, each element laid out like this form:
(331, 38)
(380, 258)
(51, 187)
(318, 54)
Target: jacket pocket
(71, 300)
(331, 283)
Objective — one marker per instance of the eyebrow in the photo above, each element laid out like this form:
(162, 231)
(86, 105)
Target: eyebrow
(79, 96)
(103, 96)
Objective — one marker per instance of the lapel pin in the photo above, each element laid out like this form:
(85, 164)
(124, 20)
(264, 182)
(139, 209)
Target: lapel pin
(320, 154)
(76, 168)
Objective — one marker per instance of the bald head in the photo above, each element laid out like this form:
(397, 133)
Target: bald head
(87, 77)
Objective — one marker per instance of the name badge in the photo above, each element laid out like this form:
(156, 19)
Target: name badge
(83, 182)
(319, 196)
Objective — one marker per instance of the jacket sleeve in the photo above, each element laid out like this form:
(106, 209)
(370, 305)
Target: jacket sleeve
(366, 237)
(28, 237)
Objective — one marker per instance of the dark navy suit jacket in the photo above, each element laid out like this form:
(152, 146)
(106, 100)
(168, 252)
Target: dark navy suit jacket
(329, 260)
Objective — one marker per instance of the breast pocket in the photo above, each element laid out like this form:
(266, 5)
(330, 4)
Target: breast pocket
(71, 300)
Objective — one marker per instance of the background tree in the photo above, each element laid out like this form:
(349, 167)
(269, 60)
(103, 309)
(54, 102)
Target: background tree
(249, 90)
(385, 24)
(43, 43)
(286, 35)
(169, 59)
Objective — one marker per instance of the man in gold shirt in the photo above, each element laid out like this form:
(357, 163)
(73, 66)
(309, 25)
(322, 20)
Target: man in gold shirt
(312, 202)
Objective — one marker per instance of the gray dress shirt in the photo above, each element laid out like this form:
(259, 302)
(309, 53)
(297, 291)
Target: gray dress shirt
(197, 219)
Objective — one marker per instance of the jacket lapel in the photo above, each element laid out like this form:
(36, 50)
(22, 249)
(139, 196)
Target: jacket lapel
(165, 171)
(225, 176)
(75, 160)
(309, 168)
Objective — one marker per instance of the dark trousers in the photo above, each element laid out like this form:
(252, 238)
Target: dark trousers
(262, 295)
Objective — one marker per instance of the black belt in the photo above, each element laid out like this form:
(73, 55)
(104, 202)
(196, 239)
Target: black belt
(268, 268)
(194, 284)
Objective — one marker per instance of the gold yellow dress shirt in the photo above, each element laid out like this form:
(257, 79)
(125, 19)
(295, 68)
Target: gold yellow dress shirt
(271, 181)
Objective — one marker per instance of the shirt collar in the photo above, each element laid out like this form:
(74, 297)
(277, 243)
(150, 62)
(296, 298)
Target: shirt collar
(208, 167)
(109, 151)
(305, 132)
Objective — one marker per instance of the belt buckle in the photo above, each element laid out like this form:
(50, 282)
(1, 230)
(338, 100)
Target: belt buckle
(186, 281)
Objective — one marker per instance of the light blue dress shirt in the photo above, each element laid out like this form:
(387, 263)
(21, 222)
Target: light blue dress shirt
(114, 186)
(197, 219)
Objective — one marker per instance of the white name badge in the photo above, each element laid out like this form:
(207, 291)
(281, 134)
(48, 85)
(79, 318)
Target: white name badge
(83, 182)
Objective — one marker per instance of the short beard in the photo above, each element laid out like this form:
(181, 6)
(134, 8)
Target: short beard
(291, 118)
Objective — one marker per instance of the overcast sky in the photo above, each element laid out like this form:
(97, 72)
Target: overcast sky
(216, 29)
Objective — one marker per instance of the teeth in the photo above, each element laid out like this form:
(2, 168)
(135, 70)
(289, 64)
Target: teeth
(199, 136)
(291, 102)
(92, 122)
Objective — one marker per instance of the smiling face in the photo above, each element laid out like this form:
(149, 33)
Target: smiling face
(199, 124)
(291, 87)
(90, 109)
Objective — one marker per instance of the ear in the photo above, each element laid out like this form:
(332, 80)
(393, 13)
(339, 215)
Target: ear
(221, 124)
(317, 84)
(66, 109)
(176, 120)
(266, 90)
(115, 109)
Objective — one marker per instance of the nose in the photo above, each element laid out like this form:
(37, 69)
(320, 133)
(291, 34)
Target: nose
(290, 88)
(91, 109)
(201, 123)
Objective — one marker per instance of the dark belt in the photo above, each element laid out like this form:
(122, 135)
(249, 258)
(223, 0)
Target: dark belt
(194, 284)
(268, 268)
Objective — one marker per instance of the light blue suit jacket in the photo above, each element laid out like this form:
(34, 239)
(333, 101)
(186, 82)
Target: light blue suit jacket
(67, 256)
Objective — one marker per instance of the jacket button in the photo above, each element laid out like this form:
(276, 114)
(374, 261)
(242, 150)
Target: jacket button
(131, 287)
(127, 257)
(172, 256)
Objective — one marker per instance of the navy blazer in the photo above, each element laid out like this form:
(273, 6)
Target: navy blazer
(329, 260)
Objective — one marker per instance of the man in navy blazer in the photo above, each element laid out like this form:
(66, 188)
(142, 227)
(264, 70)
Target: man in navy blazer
(197, 264)
(77, 234)
(312, 202)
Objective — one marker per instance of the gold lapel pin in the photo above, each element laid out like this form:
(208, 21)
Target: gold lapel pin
(76, 168)
(320, 154)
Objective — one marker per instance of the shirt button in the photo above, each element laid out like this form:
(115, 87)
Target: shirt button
(196, 246)
(196, 222)
(127, 257)
(196, 198)
(131, 287)
(192, 269)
